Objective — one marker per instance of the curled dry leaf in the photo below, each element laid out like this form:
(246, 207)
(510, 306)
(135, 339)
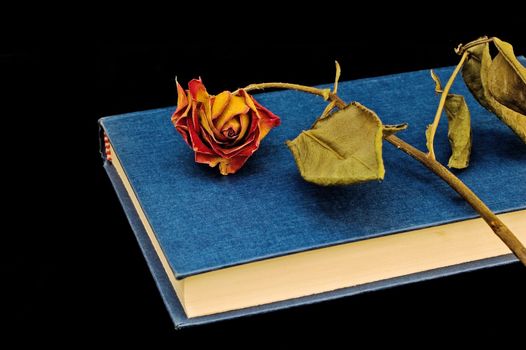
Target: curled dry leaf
(459, 131)
(342, 149)
(393, 129)
(507, 79)
(459, 127)
(499, 83)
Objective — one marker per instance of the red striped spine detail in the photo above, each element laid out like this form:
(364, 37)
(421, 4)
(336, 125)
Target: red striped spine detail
(107, 148)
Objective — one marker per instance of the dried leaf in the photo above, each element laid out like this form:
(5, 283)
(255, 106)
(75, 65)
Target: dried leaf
(499, 84)
(507, 79)
(326, 112)
(459, 131)
(436, 79)
(471, 74)
(393, 129)
(342, 149)
(459, 127)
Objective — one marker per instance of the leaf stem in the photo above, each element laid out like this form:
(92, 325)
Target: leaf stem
(463, 48)
(500, 229)
(432, 128)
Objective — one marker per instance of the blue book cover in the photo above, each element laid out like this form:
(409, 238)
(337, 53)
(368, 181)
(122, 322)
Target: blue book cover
(204, 221)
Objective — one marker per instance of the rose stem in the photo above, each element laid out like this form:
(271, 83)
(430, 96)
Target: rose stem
(500, 229)
(438, 114)
(461, 48)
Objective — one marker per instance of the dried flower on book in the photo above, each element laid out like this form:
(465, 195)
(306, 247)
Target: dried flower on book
(345, 147)
(225, 129)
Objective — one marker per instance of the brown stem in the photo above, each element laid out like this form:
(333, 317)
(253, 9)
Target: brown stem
(500, 229)
(311, 90)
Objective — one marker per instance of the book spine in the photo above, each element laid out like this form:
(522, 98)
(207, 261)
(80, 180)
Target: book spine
(107, 147)
(104, 144)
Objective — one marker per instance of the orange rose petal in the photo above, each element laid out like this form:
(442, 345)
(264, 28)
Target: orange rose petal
(249, 100)
(198, 90)
(251, 145)
(267, 119)
(266, 124)
(211, 130)
(206, 103)
(209, 159)
(219, 104)
(233, 124)
(215, 148)
(230, 166)
(182, 101)
(197, 144)
(235, 106)
(267, 115)
(206, 123)
(204, 116)
(219, 138)
(264, 130)
(201, 119)
(181, 112)
(189, 101)
(183, 130)
(179, 116)
(247, 148)
(244, 120)
(218, 148)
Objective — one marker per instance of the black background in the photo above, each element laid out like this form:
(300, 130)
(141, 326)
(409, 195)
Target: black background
(81, 272)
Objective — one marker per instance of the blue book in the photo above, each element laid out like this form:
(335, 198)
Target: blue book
(263, 239)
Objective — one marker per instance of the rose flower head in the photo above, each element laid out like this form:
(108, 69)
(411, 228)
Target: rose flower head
(225, 129)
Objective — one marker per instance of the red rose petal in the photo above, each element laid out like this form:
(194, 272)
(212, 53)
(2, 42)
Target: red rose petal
(197, 144)
(198, 90)
(182, 101)
(267, 119)
(211, 131)
(209, 159)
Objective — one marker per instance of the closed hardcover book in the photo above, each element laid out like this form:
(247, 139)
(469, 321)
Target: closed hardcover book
(263, 239)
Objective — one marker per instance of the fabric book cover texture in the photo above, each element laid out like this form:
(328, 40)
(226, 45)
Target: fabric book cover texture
(204, 221)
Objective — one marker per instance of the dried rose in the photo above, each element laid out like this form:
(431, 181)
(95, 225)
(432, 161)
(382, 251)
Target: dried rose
(225, 129)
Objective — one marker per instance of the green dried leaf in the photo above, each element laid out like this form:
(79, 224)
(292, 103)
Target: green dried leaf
(499, 84)
(342, 149)
(393, 129)
(459, 131)
(507, 78)
(471, 74)
(459, 127)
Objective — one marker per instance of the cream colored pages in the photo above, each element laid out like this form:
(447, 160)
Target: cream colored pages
(335, 267)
